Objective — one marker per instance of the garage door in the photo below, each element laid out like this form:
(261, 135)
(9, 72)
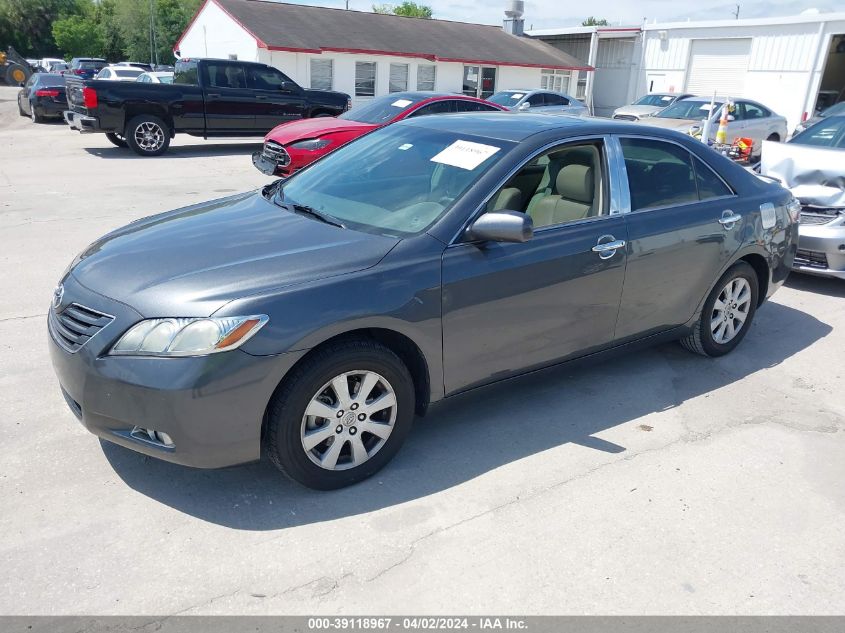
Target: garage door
(719, 65)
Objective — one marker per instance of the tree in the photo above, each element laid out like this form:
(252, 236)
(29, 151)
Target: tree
(78, 36)
(28, 24)
(407, 9)
(170, 18)
(591, 21)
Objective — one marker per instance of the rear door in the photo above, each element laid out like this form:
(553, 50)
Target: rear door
(685, 224)
(511, 307)
(229, 102)
(277, 98)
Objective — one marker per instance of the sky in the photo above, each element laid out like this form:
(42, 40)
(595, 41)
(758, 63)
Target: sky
(541, 14)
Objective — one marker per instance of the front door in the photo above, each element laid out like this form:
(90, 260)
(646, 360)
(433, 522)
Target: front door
(278, 99)
(679, 233)
(509, 307)
(229, 103)
(479, 81)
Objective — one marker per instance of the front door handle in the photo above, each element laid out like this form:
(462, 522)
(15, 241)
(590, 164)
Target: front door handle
(607, 246)
(729, 219)
(212, 94)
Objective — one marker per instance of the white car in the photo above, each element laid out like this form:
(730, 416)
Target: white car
(119, 73)
(155, 78)
(47, 63)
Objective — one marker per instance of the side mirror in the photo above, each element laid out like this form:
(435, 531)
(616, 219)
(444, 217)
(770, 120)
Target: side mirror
(523, 106)
(502, 226)
(288, 86)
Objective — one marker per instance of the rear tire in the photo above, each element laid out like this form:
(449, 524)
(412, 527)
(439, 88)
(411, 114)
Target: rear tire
(727, 313)
(343, 449)
(116, 139)
(147, 135)
(33, 114)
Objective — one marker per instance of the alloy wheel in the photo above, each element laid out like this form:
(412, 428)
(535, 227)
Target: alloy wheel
(348, 420)
(149, 136)
(730, 310)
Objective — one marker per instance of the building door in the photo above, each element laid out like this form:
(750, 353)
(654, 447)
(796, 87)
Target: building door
(479, 81)
(718, 66)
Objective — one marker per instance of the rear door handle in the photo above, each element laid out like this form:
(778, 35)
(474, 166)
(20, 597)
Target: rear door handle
(607, 249)
(212, 94)
(729, 219)
(261, 97)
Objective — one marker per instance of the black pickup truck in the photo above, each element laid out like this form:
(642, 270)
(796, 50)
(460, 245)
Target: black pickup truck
(208, 98)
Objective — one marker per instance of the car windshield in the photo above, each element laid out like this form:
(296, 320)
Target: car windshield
(381, 110)
(655, 100)
(507, 97)
(829, 132)
(688, 110)
(396, 181)
(839, 108)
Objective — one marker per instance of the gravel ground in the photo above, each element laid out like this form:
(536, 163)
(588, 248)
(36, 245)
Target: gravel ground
(658, 483)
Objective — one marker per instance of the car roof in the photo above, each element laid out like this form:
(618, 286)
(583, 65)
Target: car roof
(516, 127)
(419, 95)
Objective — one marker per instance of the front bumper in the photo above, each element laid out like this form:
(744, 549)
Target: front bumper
(821, 250)
(273, 160)
(81, 122)
(212, 407)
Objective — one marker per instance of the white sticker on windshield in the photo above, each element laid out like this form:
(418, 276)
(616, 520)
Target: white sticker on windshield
(465, 154)
(666, 98)
(517, 95)
(406, 146)
(401, 103)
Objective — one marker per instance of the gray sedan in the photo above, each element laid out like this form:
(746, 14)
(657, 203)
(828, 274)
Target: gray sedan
(313, 319)
(647, 105)
(539, 101)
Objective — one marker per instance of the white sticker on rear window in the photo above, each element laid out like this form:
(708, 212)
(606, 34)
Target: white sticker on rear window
(465, 154)
(406, 146)
(767, 215)
(401, 103)
(517, 95)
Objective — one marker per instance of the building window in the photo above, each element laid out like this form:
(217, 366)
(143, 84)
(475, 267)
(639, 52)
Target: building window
(581, 90)
(479, 81)
(555, 80)
(426, 75)
(398, 78)
(365, 79)
(322, 74)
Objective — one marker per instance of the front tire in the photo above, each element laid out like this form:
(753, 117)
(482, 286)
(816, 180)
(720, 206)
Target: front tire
(727, 313)
(341, 415)
(116, 139)
(147, 135)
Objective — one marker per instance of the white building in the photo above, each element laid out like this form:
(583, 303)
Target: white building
(793, 65)
(366, 54)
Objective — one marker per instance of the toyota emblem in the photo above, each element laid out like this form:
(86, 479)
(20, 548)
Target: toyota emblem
(58, 295)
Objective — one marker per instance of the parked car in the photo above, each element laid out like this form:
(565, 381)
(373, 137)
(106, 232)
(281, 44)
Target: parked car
(119, 73)
(208, 98)
(147, 67)
(647, 105)
(812, 165)
(430, 257)
(291, 146)
(86, 67)
(837, 109)
(59, 67)
(540, 101)
(42, 96)
(46, 64)
(749, 119)
(155, 78)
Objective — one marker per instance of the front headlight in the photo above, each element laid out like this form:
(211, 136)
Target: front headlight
(188, 337)
(312, 144)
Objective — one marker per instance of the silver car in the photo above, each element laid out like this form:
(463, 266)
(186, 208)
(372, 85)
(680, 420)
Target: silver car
(812, 166)
(539, 101)
(647, 106)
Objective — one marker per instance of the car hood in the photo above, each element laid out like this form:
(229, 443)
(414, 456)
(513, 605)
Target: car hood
(192, 261)
(312, 128)
(814, 175)
(638, 110)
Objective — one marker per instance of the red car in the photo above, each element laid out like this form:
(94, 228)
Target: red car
(291, 146)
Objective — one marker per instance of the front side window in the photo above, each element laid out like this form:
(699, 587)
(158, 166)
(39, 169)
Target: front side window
(659, 174)
(473, 106)
(426, 75)
(537, 100)
(563, 185)
(267, 78)
(398, 78)
(365, 79)
(749, 111)
(322, 74)
(438, 107)
(397, 181)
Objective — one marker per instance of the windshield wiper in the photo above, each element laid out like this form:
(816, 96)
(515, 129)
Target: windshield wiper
(314, 213)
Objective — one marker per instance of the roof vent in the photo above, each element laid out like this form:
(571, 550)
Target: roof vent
(514, 22)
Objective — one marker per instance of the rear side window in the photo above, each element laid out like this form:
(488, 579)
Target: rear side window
(709, 184)
(659, 174)
(186, 74)
(553, 99)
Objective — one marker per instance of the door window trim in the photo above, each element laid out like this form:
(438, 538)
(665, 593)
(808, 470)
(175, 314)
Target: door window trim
(615, 204)
(624, 175)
